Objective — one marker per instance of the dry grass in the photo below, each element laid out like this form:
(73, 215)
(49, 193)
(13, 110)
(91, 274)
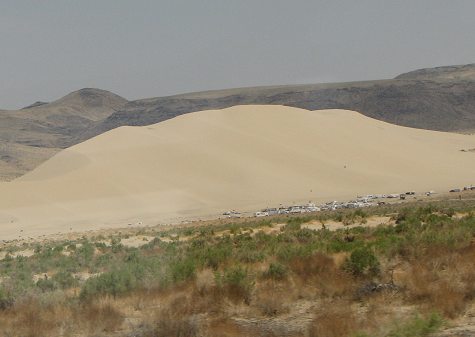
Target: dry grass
(273, 299)
(171, 325)
(102, 317)
(443, 280)
(334, 320)
(321, 271)
(30, 319)
(276, 296)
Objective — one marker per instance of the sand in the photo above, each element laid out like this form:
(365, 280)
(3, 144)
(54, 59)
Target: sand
(244, 158)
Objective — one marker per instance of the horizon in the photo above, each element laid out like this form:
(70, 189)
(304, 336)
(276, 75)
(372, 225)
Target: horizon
(154, 49)
(223, 89)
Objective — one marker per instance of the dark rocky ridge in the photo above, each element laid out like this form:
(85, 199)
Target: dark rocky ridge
(34, 105)
(437, 99)
(460, 72)
(441, 98)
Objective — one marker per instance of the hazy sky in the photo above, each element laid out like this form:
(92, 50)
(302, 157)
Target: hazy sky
(142, 48)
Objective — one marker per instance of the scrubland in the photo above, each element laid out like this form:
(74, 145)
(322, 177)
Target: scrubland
(282, 276)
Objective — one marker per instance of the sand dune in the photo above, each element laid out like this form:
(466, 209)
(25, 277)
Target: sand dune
(244, 158)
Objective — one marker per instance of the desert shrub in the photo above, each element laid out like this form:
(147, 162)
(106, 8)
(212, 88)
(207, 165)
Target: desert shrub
(116, 246)
(64, 279)
(236, 284)
(188, 232)
(104, 260)
(247, 255)
(85, 254)
(362, 261)
(100, 245)
(294, 222)
(58, 249)
(360, 213)
(339, 216)
(304, 235)
(6, 298)
(418, 327)
(113, 283)
(214, 255)
(276, 271)
(183, 270)
(19, 282)
(289, 251)
(46, 285)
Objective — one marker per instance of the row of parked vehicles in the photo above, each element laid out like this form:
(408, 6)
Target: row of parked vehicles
(466, 188)
(361, 201)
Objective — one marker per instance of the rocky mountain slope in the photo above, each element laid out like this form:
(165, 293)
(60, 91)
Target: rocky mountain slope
(33, 134)
(441, 98)
(445, 105)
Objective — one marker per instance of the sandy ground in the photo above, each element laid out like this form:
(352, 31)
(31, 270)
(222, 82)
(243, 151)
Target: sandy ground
(374, 221)
(243, 158)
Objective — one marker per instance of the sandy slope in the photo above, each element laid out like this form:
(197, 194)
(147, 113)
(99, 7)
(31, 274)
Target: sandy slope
(242, 158)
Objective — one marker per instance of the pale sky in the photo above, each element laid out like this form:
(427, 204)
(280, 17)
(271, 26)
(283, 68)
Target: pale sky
(141, 48)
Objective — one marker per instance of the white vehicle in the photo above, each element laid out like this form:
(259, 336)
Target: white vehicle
(271, 211)
(296, 209)
(261, 214)
(234, 214)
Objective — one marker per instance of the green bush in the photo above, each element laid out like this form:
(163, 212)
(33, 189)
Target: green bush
(236, 283)
(362, 261)
(183, 270)
(215, 255)
(64, 279)
(418, 327)
(276, 271)
(46, 285)
(113, 283)
(6, 299)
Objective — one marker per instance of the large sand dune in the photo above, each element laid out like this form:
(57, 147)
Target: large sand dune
(244, 158)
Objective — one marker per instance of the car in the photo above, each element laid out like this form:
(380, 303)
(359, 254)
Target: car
(261, 214)
(455, 190)
(234, 214)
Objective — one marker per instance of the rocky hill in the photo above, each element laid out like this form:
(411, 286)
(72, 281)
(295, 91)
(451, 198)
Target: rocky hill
(33, 134)
(441, 98)
(461, 72)
(437, 99)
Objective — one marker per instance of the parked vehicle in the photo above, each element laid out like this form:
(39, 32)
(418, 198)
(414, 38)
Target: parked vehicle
(261, 214)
